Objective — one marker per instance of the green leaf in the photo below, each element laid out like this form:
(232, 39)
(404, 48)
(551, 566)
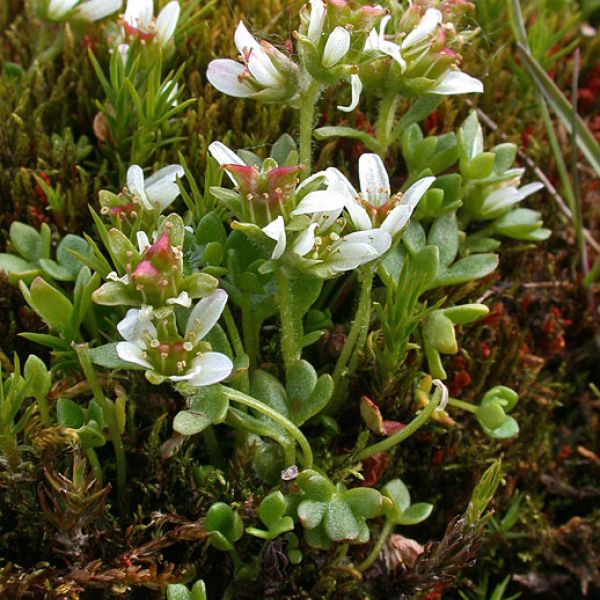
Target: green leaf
(364, 502)
(272, 508)
(209, 406)
(178, 591)
(398, 493)
(340, 523)
(69, 414)
(90, 435)
(36, 373)
(187, 422)
(438, 332)
(315, 485)
(17, 268)
(223, 519)
(470, 137)
(324, 133)
(467, 269)
(55, 271)
(282, 149)
(27, 241)
(466, 313)
(444, 234)
(311, 513)
(415, 513)
(106, 356)
(50, 304)
(198, 591)
(64, 253)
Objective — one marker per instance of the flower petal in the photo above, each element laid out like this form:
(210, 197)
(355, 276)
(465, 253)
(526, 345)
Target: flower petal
(306, 240)
(205, 315)
(59, 8)
(337, 182)
(263, 70)
(338, 44)
(316, 21)
(229, 77)
(378, 239)
(129, 352)
(94, 10)
(456, 82)
(244, 41)
(142, 241)
(135, 184)
(357, 86)
(321, 201)
(166, 22)
(424, 29)
(135, 324)
(139, 13)
(276, 231)
(374, 180)
(162, 188)
(208, 368)
(400, 215)
(182, 300)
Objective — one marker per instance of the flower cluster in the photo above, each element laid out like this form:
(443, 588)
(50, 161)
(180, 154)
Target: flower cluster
(306, 220)
(338, 41)
(151, 278)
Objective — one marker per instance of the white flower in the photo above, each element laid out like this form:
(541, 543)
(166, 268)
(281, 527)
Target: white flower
(375, 206)
(377, 42)
(139, 19)
(424, 30)
(258, 72)
(336, 47)
(456, 82)
(90, 10)
(157, 191)
(178, 360)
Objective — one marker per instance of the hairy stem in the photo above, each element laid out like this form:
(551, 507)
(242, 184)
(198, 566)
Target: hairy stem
(308, 100)
(290, 335)
(355, 340)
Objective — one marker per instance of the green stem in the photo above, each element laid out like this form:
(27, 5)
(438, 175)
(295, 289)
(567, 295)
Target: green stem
(404, 433)
(464, 405)
(42, 403)
(355, 339)
(212, 445)
(111, 418)
(249, 330)
(385, 532)
(290, 336)
(96, 467)
(385, 120)
(250, 402)
(238, 346)
(308, 100)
